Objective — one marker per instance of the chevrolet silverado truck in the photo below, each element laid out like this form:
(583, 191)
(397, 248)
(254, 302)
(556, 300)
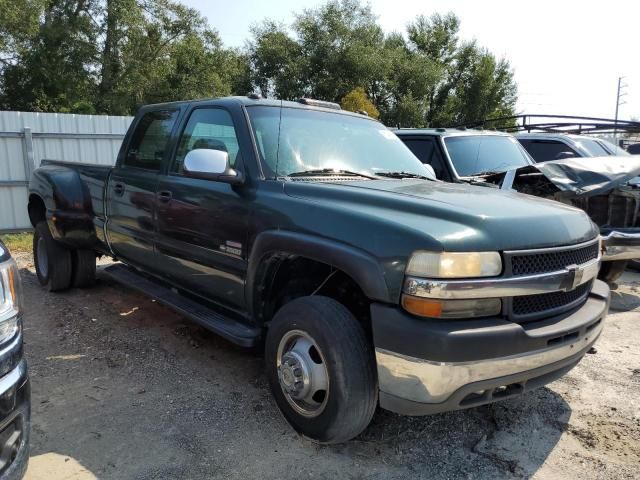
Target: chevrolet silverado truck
(600, 186)
(15, 391)
(316, 234)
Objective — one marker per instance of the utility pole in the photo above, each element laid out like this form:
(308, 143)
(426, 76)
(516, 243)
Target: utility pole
(620, 94)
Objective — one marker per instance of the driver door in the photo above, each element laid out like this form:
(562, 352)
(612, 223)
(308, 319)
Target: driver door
(202, 224)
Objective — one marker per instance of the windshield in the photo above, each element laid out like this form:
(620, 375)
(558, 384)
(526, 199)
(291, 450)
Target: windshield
(472, 155)
(612, 148)
(592, 147)
(295, 140)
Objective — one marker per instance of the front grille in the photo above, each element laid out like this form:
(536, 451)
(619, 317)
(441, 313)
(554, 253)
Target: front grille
(546, 303)
(551, 261)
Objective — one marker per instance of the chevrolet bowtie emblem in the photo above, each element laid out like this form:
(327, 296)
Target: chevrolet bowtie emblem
(573, 278)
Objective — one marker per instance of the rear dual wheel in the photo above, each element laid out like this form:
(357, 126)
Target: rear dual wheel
(321, 369)
(59, 268)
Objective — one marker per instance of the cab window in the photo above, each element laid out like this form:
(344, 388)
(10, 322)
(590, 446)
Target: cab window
(149, 142)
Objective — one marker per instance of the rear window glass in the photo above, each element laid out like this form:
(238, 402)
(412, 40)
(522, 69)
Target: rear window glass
(150, 139)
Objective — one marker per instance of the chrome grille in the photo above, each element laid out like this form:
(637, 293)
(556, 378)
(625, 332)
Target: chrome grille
(552, 260)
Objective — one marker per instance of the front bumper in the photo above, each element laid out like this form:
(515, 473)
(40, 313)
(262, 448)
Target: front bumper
(15, 411)
(429, 366)
(621, 245)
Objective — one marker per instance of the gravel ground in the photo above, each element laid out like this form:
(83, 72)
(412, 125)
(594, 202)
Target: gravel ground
(124, 388)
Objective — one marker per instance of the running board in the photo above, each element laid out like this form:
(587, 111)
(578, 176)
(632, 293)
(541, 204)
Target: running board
(226, 327)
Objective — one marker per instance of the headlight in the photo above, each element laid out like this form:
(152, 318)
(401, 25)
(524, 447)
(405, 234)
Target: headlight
(10, 299)
(454, 264)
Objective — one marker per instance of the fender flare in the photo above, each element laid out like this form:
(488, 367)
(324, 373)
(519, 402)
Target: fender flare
(67, 201)
(362, 267)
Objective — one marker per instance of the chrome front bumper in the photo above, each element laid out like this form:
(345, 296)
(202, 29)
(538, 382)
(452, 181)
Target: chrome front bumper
(423, 381)
(620, 246)
(418, 386)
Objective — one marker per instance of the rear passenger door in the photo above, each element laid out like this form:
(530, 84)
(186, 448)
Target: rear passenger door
(131, 191)
(202, 224)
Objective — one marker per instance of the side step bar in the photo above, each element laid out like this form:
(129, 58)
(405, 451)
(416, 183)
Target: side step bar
(227, 328)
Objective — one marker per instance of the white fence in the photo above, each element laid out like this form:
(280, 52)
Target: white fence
(27, 138)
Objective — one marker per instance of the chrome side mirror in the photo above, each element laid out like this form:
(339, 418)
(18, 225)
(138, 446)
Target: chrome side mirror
(429, 169)
(208, 164)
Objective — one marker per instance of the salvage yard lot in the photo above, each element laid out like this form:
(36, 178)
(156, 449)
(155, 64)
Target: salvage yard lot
(125, 388)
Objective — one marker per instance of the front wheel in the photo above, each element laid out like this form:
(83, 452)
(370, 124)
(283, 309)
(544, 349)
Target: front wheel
(321, 369)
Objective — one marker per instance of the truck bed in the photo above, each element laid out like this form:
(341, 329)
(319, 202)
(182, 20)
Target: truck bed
(94, 177)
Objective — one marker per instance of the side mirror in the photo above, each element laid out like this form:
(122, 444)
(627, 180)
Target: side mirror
(429, 169)
(209, 164)
(563, 155)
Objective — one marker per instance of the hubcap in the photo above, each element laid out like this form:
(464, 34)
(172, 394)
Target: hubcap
(302, 372)
(43, 260)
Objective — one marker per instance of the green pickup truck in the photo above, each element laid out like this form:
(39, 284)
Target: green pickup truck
(316, 234)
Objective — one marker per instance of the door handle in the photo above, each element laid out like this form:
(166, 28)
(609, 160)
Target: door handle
(118, 189)
(165, 196)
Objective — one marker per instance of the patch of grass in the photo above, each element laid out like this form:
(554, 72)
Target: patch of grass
(18, 242)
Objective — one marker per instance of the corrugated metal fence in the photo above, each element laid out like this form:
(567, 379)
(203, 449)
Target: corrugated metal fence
(27, 138)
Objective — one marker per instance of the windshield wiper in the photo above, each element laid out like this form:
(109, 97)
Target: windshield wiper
(329, 171)
(487, 173)
(402, 175)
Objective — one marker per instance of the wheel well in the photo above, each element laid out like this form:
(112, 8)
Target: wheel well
(37, 210)
(285, 277)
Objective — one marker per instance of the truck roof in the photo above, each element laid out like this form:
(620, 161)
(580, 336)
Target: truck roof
(302, 103)
(447, 132)
(543, 135)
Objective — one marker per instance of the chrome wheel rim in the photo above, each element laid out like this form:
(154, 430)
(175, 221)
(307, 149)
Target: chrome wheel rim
(302, 373)
(43, 260)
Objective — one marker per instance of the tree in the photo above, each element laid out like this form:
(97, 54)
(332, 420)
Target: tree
(334, 50)
(356, 101)
(18, 23)
(53, 70)
(108, 56)
(428, 78)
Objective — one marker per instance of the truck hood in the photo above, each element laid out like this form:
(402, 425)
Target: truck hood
(583, 176)
(454, 216)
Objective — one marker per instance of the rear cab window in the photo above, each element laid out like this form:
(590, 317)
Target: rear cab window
(150, 140)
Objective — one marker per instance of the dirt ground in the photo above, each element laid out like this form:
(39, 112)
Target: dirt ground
(124, 388)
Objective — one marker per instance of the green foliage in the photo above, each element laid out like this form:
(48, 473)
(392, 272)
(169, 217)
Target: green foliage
(109, 56)
(356, 101)
(428, 78)
(18, 242)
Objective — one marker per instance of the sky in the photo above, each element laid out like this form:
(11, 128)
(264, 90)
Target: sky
(567, 55)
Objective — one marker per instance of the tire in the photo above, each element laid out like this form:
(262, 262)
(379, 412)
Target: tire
(611, 271)
(53, 260)
(338, 345)
(634, 265)
(83, 268)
